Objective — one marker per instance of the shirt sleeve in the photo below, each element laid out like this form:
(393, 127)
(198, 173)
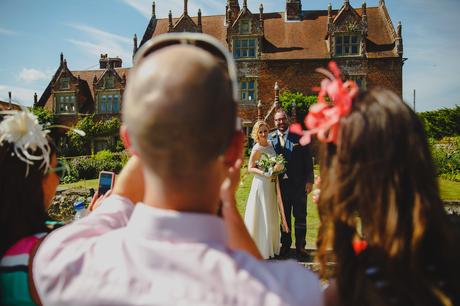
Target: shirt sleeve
(62, 254)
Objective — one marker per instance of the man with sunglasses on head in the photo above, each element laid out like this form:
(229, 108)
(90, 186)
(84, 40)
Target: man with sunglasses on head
(172, 247)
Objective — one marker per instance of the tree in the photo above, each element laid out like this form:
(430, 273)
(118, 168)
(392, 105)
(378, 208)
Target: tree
(301, 101)
(441, 123)
(45, 117)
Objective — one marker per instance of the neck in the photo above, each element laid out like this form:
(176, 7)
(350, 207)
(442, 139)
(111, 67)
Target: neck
(199, 194)
(263, 142)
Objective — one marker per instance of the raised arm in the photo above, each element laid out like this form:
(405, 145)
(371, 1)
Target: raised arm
(65, 251)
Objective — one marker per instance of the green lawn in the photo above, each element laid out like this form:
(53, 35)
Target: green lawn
(312, 212)
(449, 190)
(80, 184)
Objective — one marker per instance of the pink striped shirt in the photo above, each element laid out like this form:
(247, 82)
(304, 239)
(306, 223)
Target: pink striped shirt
(139, 255)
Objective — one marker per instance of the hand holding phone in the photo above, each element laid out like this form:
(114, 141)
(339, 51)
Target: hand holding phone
(106, 181)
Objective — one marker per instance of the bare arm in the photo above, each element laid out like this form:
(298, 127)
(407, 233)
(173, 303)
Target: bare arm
(239, 238)
(255, 155)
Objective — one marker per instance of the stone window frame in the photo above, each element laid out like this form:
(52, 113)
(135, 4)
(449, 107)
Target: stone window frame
(246, 91)
(238, 47)
(350, 44)
(65, 103)
(108, 96)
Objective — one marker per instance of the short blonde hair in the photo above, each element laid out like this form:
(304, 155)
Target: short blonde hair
(256, 128)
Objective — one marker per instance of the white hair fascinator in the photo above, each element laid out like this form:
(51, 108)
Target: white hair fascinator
(21, 128)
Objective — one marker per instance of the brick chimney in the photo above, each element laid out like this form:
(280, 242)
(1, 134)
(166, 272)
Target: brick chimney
(293, 9)
(10, 106)
(104, 61)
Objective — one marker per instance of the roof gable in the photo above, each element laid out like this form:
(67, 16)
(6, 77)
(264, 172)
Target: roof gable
(185, 23)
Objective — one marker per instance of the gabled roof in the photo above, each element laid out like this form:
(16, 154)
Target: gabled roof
(302, 39)
(86, 84)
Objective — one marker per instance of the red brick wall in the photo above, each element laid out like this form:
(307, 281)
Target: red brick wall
(300, 75)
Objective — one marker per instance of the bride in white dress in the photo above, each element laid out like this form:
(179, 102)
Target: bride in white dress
(261, 216)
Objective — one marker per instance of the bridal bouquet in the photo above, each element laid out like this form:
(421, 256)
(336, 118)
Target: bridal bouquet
(273, 165)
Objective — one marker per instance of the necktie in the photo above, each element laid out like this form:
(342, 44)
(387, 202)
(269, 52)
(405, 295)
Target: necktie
(282, 140)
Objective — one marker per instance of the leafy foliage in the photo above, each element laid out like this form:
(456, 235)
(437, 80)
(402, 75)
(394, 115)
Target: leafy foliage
(88, 167)
(441, 123)
(45, 117)
(301, 101)
(78, 145)
(446, 155)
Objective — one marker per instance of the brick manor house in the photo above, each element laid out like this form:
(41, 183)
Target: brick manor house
(283, 47)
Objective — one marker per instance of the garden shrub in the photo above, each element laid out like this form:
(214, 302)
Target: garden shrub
(446, 156)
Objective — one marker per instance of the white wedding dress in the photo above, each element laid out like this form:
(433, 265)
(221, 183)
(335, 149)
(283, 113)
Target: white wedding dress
(261, 216)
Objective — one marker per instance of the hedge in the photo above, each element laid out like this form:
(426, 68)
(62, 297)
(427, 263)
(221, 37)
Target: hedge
(88, 167)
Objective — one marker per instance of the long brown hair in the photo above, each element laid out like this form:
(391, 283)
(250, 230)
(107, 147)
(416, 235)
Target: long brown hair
(378, 183)
(22, 211)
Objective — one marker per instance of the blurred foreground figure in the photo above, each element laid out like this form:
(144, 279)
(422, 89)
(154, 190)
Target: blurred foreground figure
(172, 248)
(379, 204)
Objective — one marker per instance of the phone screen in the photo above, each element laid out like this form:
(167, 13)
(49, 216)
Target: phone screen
(105, 183)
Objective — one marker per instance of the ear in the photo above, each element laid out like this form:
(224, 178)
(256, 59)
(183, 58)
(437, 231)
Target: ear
(235, 149)
(126, 140)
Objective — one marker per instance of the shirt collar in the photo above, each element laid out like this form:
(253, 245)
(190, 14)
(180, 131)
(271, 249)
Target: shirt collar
(282, 134)
(175, 226)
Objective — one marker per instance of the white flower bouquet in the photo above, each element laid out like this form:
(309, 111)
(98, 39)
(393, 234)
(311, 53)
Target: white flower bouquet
(271, 166)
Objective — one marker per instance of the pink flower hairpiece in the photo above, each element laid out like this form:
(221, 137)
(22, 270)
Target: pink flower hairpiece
(323, 118)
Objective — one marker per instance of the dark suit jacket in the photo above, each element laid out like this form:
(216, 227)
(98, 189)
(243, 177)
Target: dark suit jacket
(299, 159)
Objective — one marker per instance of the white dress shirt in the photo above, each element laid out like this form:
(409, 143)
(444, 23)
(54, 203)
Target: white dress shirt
(123, 254)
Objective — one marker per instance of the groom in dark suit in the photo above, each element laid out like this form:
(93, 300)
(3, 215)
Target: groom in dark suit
(295, 184)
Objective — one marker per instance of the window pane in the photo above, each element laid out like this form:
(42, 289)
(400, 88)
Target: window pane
(109, 105)
(72, 99)
(252, 43)
(346, 39)
(243, 96)
(252, 52)
(338, 50)
(338, 40)
(244, 43)
(237, 43)
(354, 39)
(243, 85)
(115, 104)
(61, 99)
(354, 49)
(244, 53)
(251, 85)
(251, 95)
(236, 53)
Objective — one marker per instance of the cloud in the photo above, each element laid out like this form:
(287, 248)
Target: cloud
(31, 74)
(98, 42)
(20, 95)
(4, 31)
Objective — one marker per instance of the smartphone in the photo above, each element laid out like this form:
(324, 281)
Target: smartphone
(106, 180)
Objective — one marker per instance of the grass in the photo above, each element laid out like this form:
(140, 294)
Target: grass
(81, 184)
(312, 212)
(450, 190)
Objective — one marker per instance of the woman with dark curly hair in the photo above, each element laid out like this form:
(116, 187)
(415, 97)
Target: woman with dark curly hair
(29, 177)
(379, 204)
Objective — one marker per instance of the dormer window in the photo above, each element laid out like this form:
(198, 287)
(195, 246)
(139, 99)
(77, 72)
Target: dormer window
(244, 48)
(347, 44)
(64, 83)
(245, 26)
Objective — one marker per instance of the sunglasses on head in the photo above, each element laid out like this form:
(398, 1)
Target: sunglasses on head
(199, 40)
